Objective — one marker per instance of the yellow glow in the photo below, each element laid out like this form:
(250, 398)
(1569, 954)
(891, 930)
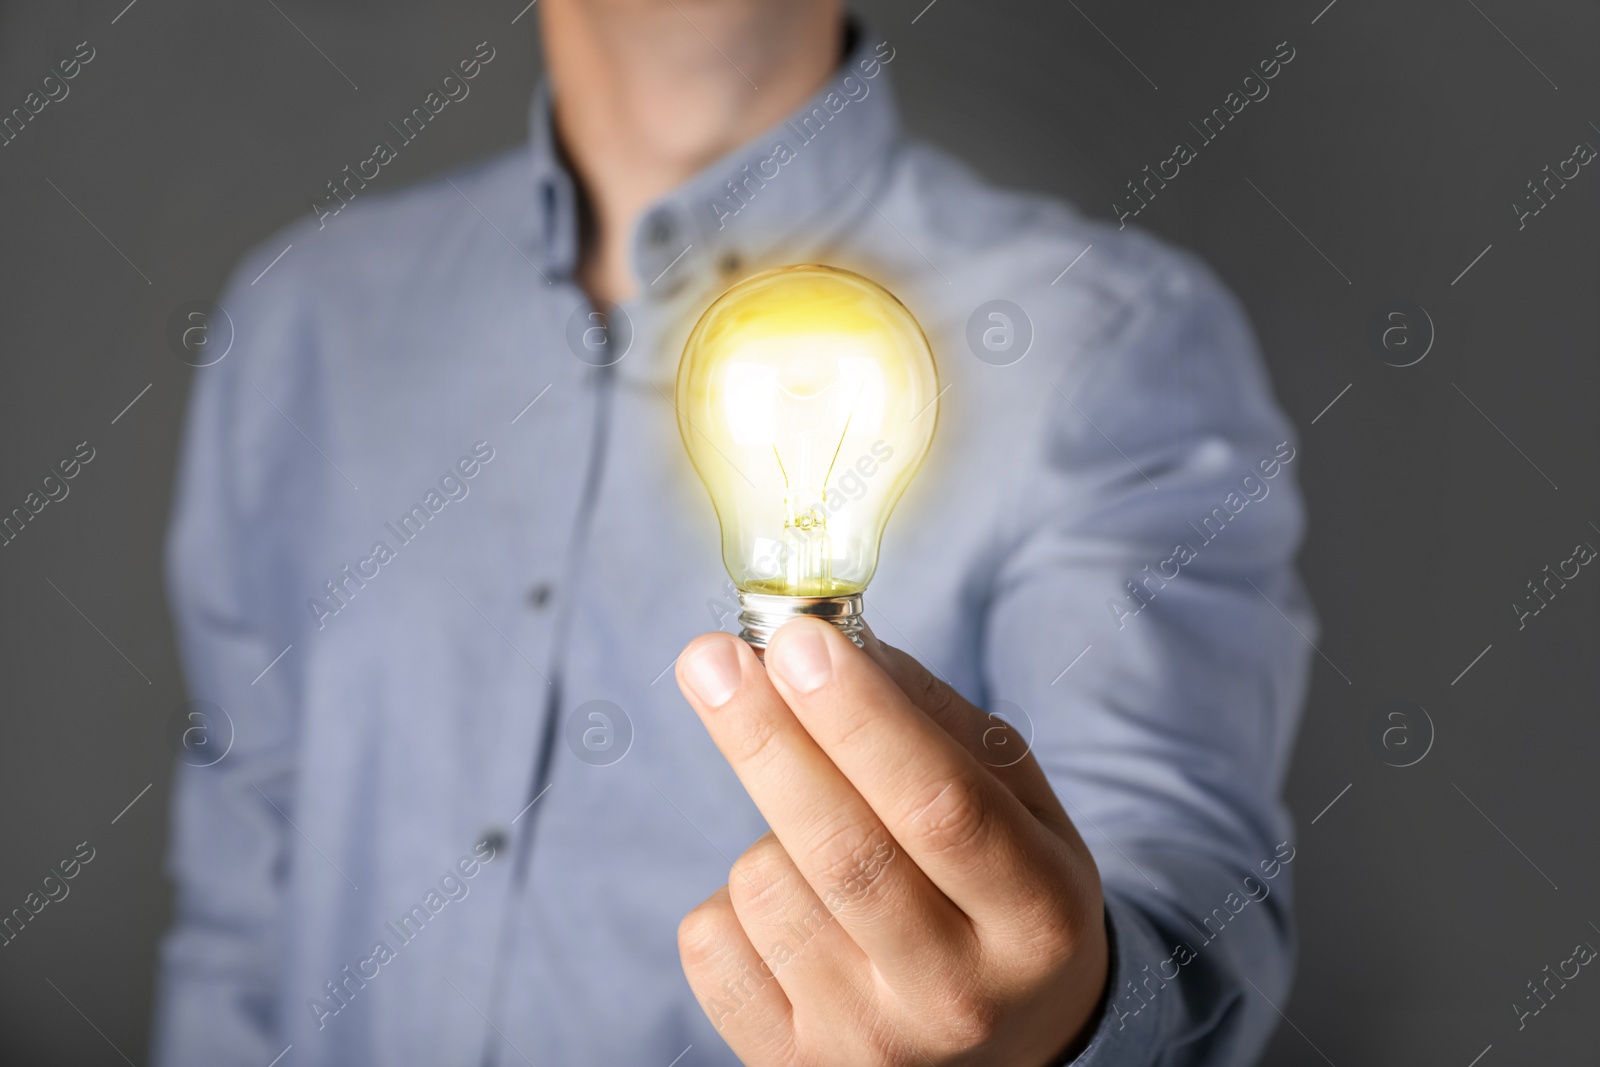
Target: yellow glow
(807, 397)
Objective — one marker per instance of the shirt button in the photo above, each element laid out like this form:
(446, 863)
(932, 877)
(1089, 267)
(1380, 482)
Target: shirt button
(494, 840)
(660, 228)
(731, 263)
(540, 595)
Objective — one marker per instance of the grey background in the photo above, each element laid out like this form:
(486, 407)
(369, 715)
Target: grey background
(1395, 142)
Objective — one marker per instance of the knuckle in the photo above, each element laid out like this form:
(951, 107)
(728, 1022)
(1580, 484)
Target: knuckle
(702, 935)
(1067, 920)
(761, 878)
(850, 729)
(956, 821)
(937, 699)
(908, 1042)
(753, 742)
(847, 861)
(1063, 926)
(971, 1020)
(1003, 744)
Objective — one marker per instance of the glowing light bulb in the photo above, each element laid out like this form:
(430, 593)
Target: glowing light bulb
(807, 398)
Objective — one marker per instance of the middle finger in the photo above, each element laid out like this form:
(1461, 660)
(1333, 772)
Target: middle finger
(887, 905)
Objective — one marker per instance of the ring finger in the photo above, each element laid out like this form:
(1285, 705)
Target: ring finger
(747, 1007)
(798, 939)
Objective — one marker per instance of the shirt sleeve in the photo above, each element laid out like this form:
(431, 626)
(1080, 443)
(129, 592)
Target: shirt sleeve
(220, 961)
(1147, 625)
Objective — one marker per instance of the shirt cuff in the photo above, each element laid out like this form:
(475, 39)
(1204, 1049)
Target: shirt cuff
(1130, 1030)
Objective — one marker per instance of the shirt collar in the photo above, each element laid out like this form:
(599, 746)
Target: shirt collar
(743, 209)
(555, 237)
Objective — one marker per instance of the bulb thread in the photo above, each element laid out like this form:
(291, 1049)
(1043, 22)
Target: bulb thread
(761, 614)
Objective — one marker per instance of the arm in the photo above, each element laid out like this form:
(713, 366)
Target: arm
(229, 850)
(926, 892)
(1168, 740)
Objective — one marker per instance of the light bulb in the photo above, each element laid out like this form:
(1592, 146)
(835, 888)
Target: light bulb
(806, 398)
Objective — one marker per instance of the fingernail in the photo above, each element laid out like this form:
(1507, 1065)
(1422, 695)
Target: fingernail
(713, 673)
(801, 657)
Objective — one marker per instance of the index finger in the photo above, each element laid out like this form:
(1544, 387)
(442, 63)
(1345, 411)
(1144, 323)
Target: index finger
(887, 906)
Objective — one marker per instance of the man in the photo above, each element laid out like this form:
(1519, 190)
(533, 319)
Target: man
(436, 549)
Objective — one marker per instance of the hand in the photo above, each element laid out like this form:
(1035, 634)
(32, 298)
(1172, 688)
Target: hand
(914, 903)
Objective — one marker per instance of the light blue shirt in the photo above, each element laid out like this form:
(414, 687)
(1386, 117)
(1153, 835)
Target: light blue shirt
(420, 531)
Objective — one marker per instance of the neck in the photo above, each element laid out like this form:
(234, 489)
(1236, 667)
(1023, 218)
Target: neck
(647, 94)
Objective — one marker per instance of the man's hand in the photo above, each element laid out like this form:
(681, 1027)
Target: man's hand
(922, 897)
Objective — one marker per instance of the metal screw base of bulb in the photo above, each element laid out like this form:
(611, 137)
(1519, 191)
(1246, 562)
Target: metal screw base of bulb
(761, 614)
